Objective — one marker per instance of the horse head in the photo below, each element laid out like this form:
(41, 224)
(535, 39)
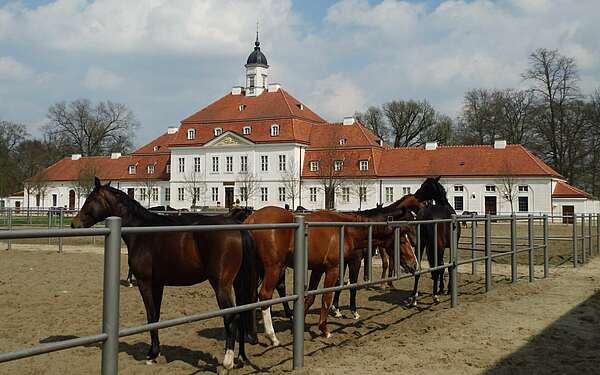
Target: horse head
(431, 189)
(96, 207)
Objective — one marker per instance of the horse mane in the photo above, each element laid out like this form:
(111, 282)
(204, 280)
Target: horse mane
(343, 216)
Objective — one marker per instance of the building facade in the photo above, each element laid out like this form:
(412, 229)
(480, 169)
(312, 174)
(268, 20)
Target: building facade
(261, 146)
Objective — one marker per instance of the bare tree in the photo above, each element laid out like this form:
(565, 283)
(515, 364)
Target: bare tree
(84, 184)
(195, 186)
(442, 131)
(11, 136)
(149, 185)
(362, 189)
(249, 185)
(508, 186)
(291, 182)
(330, 166)
(480, 116)
(409, 120)
(518, 113)
(92, 129)
(40, 185)
(374, 120)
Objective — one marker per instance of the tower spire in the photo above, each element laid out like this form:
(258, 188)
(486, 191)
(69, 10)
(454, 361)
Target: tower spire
(257, 43)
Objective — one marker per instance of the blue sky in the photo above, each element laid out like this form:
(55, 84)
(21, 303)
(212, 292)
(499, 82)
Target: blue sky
(167, 59)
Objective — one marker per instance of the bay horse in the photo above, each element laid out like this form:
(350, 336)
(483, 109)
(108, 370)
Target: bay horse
(225, 258)
(275, 251)
(431, 189)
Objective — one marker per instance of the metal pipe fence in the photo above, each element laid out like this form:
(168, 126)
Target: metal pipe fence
(111, 331)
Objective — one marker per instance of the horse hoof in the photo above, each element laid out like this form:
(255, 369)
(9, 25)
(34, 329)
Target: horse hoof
(335, 312)
(228, 360)
(355, 315)
(436, 299)
(130, 285)
(274, 341)
(151, 361)
(239, 362)
(327, 334)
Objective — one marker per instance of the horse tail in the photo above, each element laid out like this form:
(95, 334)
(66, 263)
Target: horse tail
(246, 283)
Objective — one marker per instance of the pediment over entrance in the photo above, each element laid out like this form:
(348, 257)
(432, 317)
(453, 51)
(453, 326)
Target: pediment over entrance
(229, 139)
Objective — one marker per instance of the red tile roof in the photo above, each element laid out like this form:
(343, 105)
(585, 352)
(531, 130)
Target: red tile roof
(462, 161)
(268, 105)
(106, 168)
(564, 190)
(355, 135)
(162, 142)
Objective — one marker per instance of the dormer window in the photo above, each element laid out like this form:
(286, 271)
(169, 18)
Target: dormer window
(274, 130)
(156, 148)
(343, 141)
(132, 169)
(218, 132)
(246, 130)
(150, 168)
(314, 165)
(191, 134)
(242, 107)
(364, 165)
(300, 106)
(338, 165)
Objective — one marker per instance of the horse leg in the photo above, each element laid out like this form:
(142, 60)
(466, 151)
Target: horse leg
(270, 281)
(331, 276)
(225, 299)
(391, 270)
(281, 291)
(147, 291)
(130, 278)
(315, 277)
(354, 271)
(335, 306)
(415, 292)
(385, 264)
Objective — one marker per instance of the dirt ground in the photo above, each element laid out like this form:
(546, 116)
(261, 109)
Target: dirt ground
(550, 326)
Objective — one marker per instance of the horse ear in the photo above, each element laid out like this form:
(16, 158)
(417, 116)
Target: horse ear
(97, 182)
(108, 183)
(438, 178)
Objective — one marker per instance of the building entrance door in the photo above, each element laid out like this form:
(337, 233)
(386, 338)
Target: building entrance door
(490, 205)
(71, 199)
(228, 196)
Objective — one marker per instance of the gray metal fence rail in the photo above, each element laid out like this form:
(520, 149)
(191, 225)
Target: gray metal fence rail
(111, 332)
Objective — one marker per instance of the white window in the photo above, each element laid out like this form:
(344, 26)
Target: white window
(142, 194)
(313, 194)
(405, 190)
(243, 163)
(218, 132)
(346, 194)
(155, 194)
(490, 188)
(196, 196)
(181, 165)
(459, 203)
(251, 81)
(364, 165)
(215, 194)
(282, 162)
(132, 169)
(197, 164)
(228, 163)
(264, 194)
(314, 165)
(191, 134)
(459, 188)
(243, 193)
(167, 194)
(362, 193)
(282, 194)
(338, 165)
(264, 163)
(181, 194)
(150, 168)
(168, 168)
(215, 164)
(156, 148)
(523, 188)
(246, 130)
(242, 107)
(389, 194)
(274, 130)
(343, 141)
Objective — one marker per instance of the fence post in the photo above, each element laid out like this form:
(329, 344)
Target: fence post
(583, 253)
(453, 259)
(60, 239)
(110, 307)
(598, 233)
(9, 243)
(513, 248)
(341, 255)
(574, 240)
(590, 235)
(299, 256)
(473, 245)
(546, 252)
(531, 244)
(488, 251)
(397, 252)
(370, 253)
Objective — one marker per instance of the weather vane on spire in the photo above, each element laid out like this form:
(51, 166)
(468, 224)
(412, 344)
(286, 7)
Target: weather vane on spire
(257, 43)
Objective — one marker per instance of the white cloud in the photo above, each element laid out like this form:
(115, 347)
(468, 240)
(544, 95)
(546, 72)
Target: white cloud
(101, 79)
(12, 70)
(336, 97)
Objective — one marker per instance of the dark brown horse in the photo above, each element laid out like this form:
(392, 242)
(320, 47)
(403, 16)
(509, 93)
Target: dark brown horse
(275, 250)
(225, 258)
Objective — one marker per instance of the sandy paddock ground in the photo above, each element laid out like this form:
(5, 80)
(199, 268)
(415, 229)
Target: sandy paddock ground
(550, 326)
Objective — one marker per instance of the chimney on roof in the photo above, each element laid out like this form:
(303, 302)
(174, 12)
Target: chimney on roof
(349, 121)
(75, 156)
(115, 155)
(273, 87)
(236, 90)
(500, 144)
(172, 130)
(431, 145)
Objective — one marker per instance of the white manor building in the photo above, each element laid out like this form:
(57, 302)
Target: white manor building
(261, 146)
